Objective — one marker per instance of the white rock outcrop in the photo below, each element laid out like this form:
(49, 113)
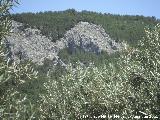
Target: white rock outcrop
(90, 37)
(29, 43)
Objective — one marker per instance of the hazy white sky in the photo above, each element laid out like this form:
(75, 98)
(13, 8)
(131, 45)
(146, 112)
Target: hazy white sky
(130, 7)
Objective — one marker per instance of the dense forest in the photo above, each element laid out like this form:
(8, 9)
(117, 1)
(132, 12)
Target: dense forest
(119, 27)
(87, 57)
(128, 88)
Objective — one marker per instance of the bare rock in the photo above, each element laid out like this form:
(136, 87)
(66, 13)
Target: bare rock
(28, 43)
(90, 37)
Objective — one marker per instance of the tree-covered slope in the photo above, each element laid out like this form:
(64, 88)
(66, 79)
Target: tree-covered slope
(55, 24)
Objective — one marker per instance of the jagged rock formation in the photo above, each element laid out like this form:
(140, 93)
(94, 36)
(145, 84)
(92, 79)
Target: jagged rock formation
(26, 43)
(90, 37)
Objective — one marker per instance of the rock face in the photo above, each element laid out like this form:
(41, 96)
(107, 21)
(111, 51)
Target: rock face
(90, 37)
(26, 43)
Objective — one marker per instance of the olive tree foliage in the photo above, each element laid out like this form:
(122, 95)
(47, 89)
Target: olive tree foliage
(128, 88)
(141, 67)
(12, 75)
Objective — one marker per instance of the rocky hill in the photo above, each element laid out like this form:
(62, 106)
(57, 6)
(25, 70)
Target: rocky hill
(28, 43)
(90, 37)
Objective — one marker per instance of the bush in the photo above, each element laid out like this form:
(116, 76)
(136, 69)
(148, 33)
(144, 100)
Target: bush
(13, 104)
(129, 88)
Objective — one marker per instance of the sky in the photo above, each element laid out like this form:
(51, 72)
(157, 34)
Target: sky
(122, 7)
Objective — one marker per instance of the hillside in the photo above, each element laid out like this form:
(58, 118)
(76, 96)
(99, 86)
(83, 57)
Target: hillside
(55, 24)
(30, 44)
(124, 83)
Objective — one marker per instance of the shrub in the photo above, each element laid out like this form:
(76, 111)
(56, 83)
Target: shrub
(129, 88)
(13, 104)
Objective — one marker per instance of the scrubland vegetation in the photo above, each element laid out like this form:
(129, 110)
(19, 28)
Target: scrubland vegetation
(127, 86)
